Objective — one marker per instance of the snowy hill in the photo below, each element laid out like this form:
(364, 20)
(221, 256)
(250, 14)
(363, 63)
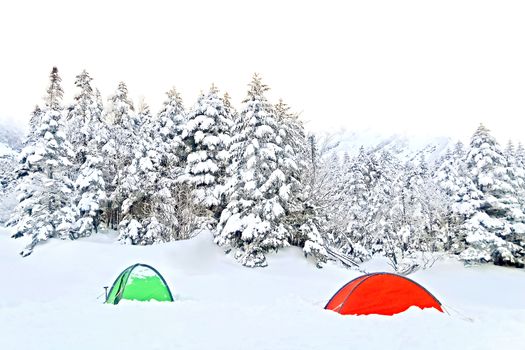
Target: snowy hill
(11, 138)
(52, 300)
(6, 149)
(405, 146)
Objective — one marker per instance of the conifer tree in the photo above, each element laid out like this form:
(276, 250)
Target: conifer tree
(172, 202)
(82, 117)
(54, 91)
(84, 123)
(252, 223)
(167, 128)
(230, 110)
(119, 138)
(90, 194)
(301, 219)
(138, 185)
(357, 184)
(206, 135)
(386, 189)
(520, 155)
(515, 170)
(44, 210)
(493, 233)
(153, 211)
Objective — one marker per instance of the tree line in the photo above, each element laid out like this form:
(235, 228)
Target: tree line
(258, 181)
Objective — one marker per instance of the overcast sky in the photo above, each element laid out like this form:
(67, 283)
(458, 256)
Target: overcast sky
(432, 67)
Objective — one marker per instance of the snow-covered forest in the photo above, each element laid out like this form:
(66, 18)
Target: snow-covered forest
(253, 176)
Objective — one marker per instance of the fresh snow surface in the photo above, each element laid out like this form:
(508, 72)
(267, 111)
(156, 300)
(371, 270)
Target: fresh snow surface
(52, 300)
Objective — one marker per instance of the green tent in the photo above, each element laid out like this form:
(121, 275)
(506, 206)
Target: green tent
(139, 282)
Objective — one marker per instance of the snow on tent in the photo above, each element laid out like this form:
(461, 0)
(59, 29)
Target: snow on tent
(139, 282)
(381, 293)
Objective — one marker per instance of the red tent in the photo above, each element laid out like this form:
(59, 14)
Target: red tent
(381, 293)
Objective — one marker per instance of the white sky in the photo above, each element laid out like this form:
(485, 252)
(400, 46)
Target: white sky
(433, 67)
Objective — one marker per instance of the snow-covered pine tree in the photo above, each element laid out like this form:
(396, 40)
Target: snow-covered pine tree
(26, 193)
(459, 150)
(21, 169)
(447, 173)
(138, 185)
(515, 172)
(206, 135)
(487, 164)
(495, 232)
(230, 110)
(84, 123)
(173, 201)
(29, 143)
(167, 129)
(519, 156)
(384, 191)
(510, 150)
(357, 182)
(99, 109)
(90, 193)
(300, 218)
(451, 176)
(34, 123)
(79, 117)
(516, 218)
(45, 210)
(252, 222)
(99, 125)
(466, 197)
(120, 107)
(54, 91)
(119, 137)
(232, 114)
(331, 181)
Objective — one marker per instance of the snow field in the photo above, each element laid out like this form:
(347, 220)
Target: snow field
(49, 301)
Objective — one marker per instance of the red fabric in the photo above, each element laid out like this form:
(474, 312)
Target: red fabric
(383, 294)
(339, 298)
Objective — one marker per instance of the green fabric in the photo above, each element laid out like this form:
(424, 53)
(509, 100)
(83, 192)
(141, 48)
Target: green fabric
(139, 282)
(146, 288)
